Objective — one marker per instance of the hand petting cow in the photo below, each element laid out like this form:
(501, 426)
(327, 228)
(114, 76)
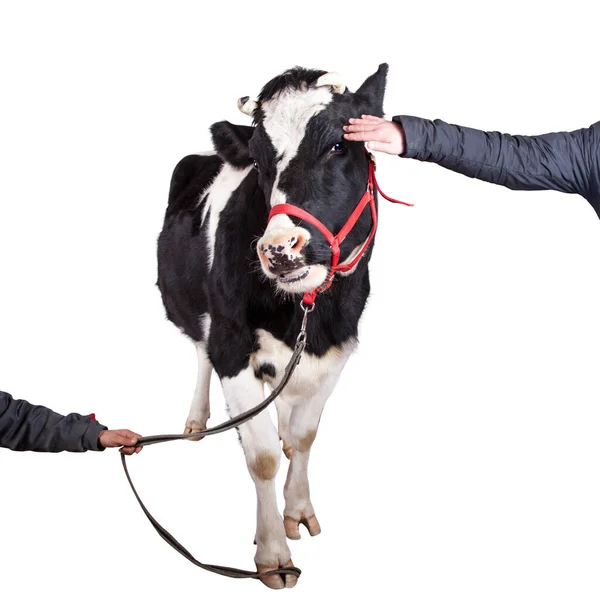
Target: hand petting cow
(232, 280)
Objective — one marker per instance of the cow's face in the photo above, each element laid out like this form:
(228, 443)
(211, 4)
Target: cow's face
(301, 158)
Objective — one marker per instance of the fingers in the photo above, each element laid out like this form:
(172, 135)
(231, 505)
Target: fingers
(119, 437)
(124, 437)
(372, 135)
(380, 135)
(367, 121)
(129, 450)
(359, 136)
(368, 129)
(361, 126)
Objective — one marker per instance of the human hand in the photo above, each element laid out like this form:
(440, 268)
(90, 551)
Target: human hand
(113, 438)
(380, 135)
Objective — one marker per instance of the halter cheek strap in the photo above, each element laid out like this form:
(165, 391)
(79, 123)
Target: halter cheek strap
(335, 241)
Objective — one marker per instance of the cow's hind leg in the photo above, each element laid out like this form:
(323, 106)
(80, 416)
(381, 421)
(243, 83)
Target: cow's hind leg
(304, 422)
(261, 447)
(284, 411)
(200, 408)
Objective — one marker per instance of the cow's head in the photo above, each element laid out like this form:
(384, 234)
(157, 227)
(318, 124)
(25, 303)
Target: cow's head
(301, 158)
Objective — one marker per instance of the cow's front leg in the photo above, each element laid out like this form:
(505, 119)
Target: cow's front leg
(304, 422)
(261, 446)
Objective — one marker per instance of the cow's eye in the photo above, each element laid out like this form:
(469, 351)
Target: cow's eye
(255, 165)
(338, 148)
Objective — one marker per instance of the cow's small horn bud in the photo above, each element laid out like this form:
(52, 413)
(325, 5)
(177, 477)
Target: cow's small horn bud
(334, 81)
(247, 106)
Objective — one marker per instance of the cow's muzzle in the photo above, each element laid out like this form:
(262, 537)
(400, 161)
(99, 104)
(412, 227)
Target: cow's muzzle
(280, 251)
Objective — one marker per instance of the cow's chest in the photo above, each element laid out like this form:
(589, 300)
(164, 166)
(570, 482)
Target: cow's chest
(270, 361)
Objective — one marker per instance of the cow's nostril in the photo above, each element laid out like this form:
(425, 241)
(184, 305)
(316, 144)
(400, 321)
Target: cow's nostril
(296, 243)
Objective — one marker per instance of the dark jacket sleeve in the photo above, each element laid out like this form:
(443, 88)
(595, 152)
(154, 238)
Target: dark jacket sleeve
(24, 426)
(567, 161)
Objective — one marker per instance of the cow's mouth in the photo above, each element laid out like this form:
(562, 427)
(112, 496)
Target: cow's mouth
(301, 280)
(294, 276)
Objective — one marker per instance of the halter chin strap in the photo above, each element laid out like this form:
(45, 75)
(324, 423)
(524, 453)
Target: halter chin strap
(335, 241)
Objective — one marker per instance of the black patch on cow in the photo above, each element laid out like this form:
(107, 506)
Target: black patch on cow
(281, 262)
(292, 79)
(266, 369)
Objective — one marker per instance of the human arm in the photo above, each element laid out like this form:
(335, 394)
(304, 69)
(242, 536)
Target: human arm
(25, 426)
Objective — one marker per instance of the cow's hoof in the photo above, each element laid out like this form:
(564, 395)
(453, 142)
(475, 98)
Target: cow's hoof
(277, 582)
(288, 451)
(292, 526)
(194, 430)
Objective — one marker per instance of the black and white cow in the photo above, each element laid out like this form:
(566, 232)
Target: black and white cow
(232, 281)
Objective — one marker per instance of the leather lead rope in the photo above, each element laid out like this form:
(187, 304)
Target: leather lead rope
(225, 426)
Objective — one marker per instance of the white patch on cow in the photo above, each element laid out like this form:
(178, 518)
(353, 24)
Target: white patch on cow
(205, 322)
(206, 204)
(285, 121)
(219, 193)
(281, 222)
(310, 373)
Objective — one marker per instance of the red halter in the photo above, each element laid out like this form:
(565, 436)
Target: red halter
(335, 241)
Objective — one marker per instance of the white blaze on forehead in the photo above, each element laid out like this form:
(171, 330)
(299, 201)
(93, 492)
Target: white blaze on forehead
(286, 118)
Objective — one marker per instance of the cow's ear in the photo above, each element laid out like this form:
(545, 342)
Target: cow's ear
(231, 142)
(369, 96)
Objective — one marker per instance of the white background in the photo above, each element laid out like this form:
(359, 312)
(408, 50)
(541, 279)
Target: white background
(460, 455)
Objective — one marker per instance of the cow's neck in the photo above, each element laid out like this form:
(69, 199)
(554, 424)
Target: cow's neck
(337, 311)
